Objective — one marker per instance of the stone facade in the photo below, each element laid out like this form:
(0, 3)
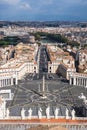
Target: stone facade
(78, 79)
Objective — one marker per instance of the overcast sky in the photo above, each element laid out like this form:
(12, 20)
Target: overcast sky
(43, 10)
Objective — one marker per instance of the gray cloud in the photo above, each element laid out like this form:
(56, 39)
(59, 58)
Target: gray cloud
(44, 9)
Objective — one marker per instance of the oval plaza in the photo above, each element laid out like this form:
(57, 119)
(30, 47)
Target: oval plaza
(41, 84)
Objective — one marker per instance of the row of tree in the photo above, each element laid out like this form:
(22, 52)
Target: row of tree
(9, 41)
(55, 38)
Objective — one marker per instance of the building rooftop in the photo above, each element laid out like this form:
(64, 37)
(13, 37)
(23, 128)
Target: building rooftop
(23, 53)
(56, 53)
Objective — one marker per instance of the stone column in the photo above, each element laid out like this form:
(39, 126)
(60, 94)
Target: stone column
(3, 82)
(74, 81)
(6, 82)
(11, 81)
(77, 81)
(0, 83)
(82, 82)
(70, 81)
(16, 81)
(86, 82)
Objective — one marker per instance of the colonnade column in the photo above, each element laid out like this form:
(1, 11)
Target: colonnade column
(74, 81)
(82, 81)
(16, 80)
(86, 82)
(0, 83)
(6, 81)
(77, 81)
(3, 82)
(11, 81)
(70, 81)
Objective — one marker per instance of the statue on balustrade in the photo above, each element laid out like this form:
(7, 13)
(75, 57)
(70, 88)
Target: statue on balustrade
(30, 113)
(67, 113)
(48, 112)
(56, 112)
(23, 113)
(40, 113)
(73, 114)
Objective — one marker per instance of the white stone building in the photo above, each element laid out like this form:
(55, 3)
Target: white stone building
(25, 61)
(78, 79)
(66, 67)
(56, 57)
(11, 75)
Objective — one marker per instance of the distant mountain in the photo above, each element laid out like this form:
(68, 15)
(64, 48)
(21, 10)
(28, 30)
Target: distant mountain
(44, 23)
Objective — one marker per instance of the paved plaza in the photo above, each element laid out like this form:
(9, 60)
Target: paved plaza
(27, 94)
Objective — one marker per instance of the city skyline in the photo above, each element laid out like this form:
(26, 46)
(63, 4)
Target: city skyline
(51, 10)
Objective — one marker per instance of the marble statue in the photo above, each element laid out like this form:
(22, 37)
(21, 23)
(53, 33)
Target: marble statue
(73, 114)
(67, 113)
(48, 112)
(82, 96)
(56, 113)
(23, 113)
(30, 113)
(39, 113)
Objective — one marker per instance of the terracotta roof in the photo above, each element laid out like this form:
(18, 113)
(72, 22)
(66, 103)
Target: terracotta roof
(84, 51)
